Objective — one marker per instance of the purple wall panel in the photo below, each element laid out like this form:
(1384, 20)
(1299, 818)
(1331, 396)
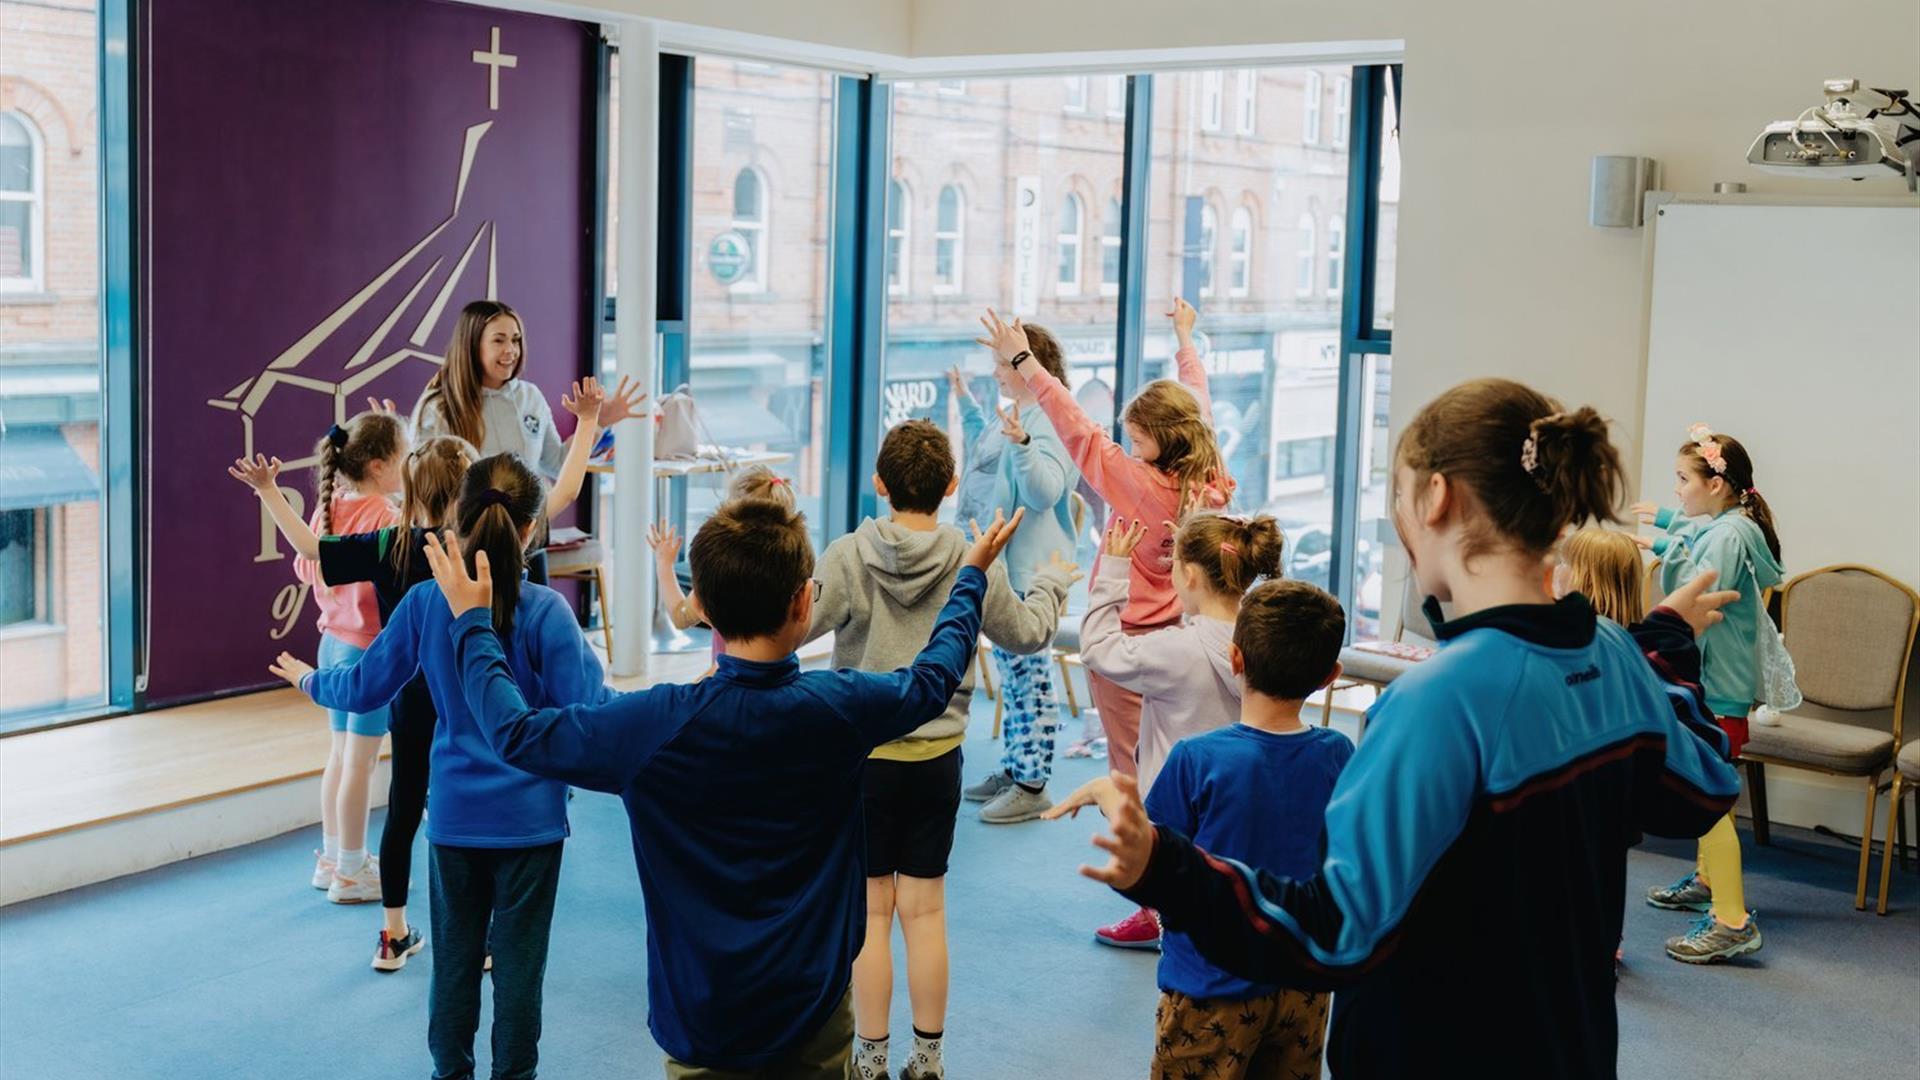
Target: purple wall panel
(297, 154)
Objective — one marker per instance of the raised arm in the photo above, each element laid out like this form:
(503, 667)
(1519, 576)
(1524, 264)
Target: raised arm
(1117, 477)
(1045, 468)
(1026, 624)
(1186, 359)
(664, 539)
(584, 403)
(262, 474)
(1134, 663)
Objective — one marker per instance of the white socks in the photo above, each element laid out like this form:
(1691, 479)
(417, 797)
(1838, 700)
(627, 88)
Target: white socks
(330, 847)
(870, 1058)
(925, 1064)
(351, 863)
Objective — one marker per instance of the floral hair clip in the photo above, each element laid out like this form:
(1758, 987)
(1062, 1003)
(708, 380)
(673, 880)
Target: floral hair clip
(1708, 448)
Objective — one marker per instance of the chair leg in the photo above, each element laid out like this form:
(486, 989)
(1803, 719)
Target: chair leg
(1866, 841)
(1066, 680)
(1893, 841)
(1326, 708)
(986, 675)
(606, 609)
(1757, 796)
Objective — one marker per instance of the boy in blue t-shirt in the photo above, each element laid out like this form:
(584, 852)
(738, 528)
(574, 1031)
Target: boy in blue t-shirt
(1257, 792)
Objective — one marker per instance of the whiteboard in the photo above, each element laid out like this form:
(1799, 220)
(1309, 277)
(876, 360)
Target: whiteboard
(1795, 329)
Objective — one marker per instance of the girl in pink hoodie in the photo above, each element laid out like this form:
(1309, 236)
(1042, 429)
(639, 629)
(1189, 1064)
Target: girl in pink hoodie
(1183, 673)
(1174, 465)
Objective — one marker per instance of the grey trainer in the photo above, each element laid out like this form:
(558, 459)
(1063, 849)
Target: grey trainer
(1712, 940)
(1015, 804)
(988, 788)
(1687, 894)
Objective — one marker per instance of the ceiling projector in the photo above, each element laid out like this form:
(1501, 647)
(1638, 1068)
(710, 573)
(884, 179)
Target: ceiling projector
(1834, 141)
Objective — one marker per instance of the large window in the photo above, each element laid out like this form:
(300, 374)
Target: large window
(1244, 113)
(756, 341)
(1027, 180)
(21, 184)
(1269, 336)
(53, 641)
(1212, 90)
(1076, 93)
(1072, 221)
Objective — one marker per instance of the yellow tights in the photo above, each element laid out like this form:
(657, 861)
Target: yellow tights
(1720, 869)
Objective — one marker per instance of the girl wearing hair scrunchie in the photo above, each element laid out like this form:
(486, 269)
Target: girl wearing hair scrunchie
(1722, 524)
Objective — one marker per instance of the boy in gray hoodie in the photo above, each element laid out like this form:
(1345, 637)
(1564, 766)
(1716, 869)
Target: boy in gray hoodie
(881, 590)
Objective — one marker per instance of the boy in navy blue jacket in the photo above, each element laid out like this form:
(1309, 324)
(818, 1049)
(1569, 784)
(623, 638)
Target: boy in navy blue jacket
(742, 790)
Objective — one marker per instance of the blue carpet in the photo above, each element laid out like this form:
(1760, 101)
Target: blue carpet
(230, 966)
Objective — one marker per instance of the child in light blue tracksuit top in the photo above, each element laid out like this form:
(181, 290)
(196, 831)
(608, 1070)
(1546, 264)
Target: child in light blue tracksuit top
(1722, 524)
(1034, 472)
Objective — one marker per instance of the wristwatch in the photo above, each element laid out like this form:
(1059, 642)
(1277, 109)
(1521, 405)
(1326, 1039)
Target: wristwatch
(1019, 356)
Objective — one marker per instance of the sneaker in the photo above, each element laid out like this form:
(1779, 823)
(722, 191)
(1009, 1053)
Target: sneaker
(323, 868)
(362, 887)
(1140, 930)
(1687, 894)
(391, 955)
(1710, 940)
(986, 789)
(1015, 804)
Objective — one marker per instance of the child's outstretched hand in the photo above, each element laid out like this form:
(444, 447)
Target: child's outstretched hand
(1123, 538)
(1010, 424)
(957, 382)
(463, 591)
(1183, 316)
(291, 668)
(1007, 341)
(1695, 604)
(261, 474)
(626, 400)
(1057, 565)
(988, 545)
(1645, 511)
(664, 539)
(1131, 843)
(586, 400)
(382, 405)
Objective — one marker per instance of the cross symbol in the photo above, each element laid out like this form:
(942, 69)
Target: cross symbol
(495, 60)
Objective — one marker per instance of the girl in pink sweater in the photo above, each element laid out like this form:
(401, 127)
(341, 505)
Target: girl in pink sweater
(1174, 464)
(361, 472)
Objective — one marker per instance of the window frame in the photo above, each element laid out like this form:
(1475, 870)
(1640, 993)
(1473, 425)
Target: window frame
(1209, 239)
(899, 268)
(35, 198)
(756, 232)
(956, 236)
(1311, 105)
(1342, 109)
(1076, 238)
(1306, 255)
(1247, 103)
(1240, 253)
(41, 536)
(1336, 253)
(1116, 96)
(1077, 94)
(1110, 242)
(1213, 91)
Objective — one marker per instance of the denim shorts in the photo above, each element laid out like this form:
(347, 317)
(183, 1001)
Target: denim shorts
(337, 653)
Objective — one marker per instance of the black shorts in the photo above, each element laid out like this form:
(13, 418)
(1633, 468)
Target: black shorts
(911, 807)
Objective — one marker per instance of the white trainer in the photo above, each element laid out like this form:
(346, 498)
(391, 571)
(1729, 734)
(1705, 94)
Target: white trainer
(362, 887)
(322, 871)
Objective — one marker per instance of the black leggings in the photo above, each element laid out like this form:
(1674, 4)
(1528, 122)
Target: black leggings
(411, 730)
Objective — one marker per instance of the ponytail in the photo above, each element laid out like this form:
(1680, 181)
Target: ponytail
(352, 448)
(1533, 467)
(500, 499)
(1233, 552)
(434, 473)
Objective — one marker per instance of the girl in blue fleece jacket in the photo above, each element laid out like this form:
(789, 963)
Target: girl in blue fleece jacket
(496, 831)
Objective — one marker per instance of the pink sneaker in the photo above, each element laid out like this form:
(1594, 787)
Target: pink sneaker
(1140, 930)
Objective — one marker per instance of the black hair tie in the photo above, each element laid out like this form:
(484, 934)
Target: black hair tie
(495, 497)
(337, 437)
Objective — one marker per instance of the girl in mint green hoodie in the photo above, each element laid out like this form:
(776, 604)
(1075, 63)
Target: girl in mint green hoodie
(1722, 524)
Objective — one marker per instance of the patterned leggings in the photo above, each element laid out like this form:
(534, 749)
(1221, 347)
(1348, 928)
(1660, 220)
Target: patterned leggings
(1030, 715)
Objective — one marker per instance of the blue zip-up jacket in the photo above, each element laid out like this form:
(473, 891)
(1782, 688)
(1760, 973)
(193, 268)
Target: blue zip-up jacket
(743, 795)
(1475, 872)
(1732, 543)
(478, 799)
